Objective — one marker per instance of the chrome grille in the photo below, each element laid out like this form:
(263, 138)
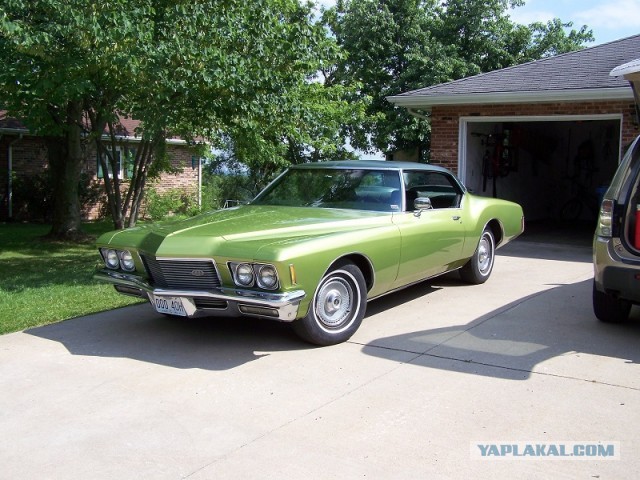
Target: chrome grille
(182, 274)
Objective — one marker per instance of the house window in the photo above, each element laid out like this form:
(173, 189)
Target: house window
(125, 157)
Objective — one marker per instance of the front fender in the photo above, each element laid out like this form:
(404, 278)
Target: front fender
(311, 258)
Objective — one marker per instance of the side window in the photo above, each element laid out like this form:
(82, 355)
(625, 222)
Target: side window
(109, 169)
(380, 190)
(439, 187)
(125, 169)
(129, 162)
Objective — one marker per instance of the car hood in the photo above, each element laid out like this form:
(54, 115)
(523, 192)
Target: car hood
(243, 231)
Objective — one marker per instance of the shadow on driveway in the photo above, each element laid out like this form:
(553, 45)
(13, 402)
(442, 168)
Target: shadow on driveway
(515, 337)
(139, 333)
(518, 336)
(542, 250)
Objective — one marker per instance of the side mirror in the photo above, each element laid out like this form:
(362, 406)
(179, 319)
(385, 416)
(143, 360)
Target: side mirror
(420, 204)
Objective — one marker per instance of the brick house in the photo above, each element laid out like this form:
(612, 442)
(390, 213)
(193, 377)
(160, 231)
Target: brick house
(539, 133)
(23, 160)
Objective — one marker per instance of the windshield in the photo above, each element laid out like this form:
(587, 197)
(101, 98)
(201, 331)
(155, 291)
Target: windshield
(377, 190)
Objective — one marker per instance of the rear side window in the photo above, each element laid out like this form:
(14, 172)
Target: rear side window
(439, 187)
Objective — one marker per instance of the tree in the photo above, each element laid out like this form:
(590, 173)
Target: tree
(25, 81)
(198, 70)
(62, 62)
(396, 46)
(552, 39)
(246, 75)
(389, 48)
(485, 38)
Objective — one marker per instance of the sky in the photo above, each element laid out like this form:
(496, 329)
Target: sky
(609, 19)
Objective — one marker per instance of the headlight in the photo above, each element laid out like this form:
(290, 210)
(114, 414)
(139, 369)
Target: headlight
(268, 277)
(244, 275)
(126, 261)
(111, 259)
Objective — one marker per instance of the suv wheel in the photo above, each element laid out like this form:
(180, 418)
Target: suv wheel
(609, 308)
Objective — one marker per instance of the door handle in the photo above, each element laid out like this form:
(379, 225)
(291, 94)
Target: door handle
(456, 217)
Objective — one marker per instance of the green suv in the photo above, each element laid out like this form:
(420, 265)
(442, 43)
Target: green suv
(616, 245)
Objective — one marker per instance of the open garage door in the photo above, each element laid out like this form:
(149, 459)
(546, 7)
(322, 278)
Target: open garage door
(555, 167)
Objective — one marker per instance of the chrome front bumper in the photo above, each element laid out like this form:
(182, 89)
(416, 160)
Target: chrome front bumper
(224, 302)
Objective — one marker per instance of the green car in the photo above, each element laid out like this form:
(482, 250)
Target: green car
(314, 246)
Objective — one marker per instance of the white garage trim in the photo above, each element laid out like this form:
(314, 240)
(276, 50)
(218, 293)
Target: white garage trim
(428, 100)
(465, 121)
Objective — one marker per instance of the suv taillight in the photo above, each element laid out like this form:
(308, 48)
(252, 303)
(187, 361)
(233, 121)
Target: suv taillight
(606, 218)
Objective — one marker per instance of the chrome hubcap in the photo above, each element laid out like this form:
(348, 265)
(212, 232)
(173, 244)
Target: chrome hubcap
(485, 254)
(333, 304)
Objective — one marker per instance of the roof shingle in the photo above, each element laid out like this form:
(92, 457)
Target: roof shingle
(574, 71)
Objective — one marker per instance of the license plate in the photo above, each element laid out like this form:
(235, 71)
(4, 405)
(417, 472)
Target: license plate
(169, 305)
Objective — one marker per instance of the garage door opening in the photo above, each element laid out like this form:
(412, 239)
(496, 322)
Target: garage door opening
(557, 169)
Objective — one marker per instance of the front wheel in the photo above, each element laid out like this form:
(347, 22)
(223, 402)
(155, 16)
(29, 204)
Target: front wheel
(337, 309)
(478, 269)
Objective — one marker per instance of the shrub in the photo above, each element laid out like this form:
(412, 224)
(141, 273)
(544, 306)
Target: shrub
(33, 195)
(176, 201)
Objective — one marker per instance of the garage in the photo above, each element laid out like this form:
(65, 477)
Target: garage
(556, 167)
(547, 134)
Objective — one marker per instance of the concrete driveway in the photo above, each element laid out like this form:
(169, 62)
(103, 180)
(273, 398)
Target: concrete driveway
(434, 371)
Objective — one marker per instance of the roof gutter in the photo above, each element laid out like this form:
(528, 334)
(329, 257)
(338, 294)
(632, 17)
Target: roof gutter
(14, 131)
(426, 102)
(121, 138)
(127, 138)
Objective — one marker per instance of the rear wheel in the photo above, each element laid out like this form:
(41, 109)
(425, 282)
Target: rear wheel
(609, 308)
(479, 267)
(337, 309)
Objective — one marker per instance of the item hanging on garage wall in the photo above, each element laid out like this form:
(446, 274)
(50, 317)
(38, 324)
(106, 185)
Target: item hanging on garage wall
(510, 143)
(499, 158)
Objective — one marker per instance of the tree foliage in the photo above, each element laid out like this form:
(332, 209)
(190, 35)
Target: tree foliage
(393, 46)
(203, 70)
(265, 80)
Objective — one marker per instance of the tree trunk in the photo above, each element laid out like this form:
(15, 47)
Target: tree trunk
(65, 161)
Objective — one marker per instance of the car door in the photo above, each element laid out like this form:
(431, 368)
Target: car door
(432, 239)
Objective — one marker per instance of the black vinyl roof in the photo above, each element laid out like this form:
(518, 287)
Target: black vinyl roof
(369, 165)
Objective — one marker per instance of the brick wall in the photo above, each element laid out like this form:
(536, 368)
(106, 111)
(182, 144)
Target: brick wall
(445, 122)
(185, 178)
(30, 159)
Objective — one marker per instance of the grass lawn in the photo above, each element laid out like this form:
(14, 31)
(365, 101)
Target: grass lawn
(44, 282)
